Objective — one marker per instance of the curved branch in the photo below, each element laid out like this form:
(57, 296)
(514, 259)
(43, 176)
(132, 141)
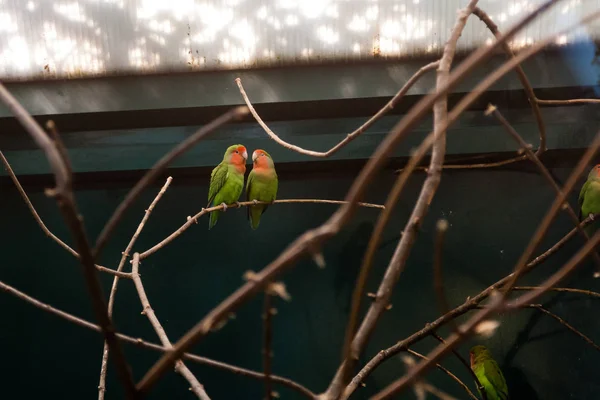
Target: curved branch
(396, 265)
(113, 290)
(152, 346)
(68, 207)
(45, 229)
(565, 324)
(349, 137)
(485, 18)
(317, 236)
(471, 303)
(447, 372)
(180, 367)
(204, 211)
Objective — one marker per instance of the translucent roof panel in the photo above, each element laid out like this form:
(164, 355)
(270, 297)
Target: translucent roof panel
(73, 38)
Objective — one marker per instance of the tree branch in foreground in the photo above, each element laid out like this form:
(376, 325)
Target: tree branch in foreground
(315, 237)
(180, 367)
(349, 137)
(398, 260)
(68, 207)
(493, 110)
(468, 305)
(113, 290)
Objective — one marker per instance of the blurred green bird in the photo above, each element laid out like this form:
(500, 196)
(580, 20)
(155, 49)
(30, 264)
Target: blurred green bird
(589, 198)
(488, 372)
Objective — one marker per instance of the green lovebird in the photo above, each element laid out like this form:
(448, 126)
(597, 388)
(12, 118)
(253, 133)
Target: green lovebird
(589, 197)
(227, 180)
(488, 372)
(262, 185)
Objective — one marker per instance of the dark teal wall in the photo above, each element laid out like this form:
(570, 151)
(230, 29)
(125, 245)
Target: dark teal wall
(491, 213)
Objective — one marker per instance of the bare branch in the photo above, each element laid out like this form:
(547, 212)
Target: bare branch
(180, 367)
(349, 137)
(562, 290)
(67, 205)
(267, 317)
(493, 110)
(152, 346)
(565, 324)
(396, 265)
(467, 366)
(113, 290)
(447, 372)
(494, 164)
(159, 167)
(39, 221)
(468, 305)
(485, 18)
(316, 236)
(566, 102)
(194, 219)
(438, 276)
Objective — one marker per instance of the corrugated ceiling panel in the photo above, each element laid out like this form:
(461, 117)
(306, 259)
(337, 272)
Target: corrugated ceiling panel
(62, 38)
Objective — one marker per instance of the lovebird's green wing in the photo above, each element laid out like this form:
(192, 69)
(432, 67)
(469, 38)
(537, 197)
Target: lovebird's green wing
(489, 374)
(217, 181)
(590, 203)
(581, 197)
(226, 185)
(261, 188)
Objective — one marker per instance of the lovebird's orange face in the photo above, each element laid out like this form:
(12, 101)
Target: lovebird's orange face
(239, 155)
(260, 159)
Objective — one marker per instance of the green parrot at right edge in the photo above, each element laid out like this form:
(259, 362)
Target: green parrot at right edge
(262, 185)
(589, 198)
(488, 373)
(227, 180)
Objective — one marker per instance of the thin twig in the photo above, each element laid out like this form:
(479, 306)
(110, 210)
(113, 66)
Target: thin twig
(60, 145)
(317, 236)
(493, 164)
(113, 290)
(565, 324)
(468, 305)
(180, 367)
(469, 326)
(204, 211)
(438, 276)
(153, 346)
(566, 102)
(39, 221)
(398, 260)
(68, 207)
(493, 110)
(447, 372)
(467, 366)
(267, 316)
(349, 137)
(485, 18)
(562, 290)
(159, 167)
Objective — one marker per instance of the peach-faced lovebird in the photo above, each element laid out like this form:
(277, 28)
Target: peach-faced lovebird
(261, 186)
(589, 197)
(227, 180)
(488, 373)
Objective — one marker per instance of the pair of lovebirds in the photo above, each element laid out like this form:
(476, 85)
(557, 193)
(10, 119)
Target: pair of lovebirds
(227, 183)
